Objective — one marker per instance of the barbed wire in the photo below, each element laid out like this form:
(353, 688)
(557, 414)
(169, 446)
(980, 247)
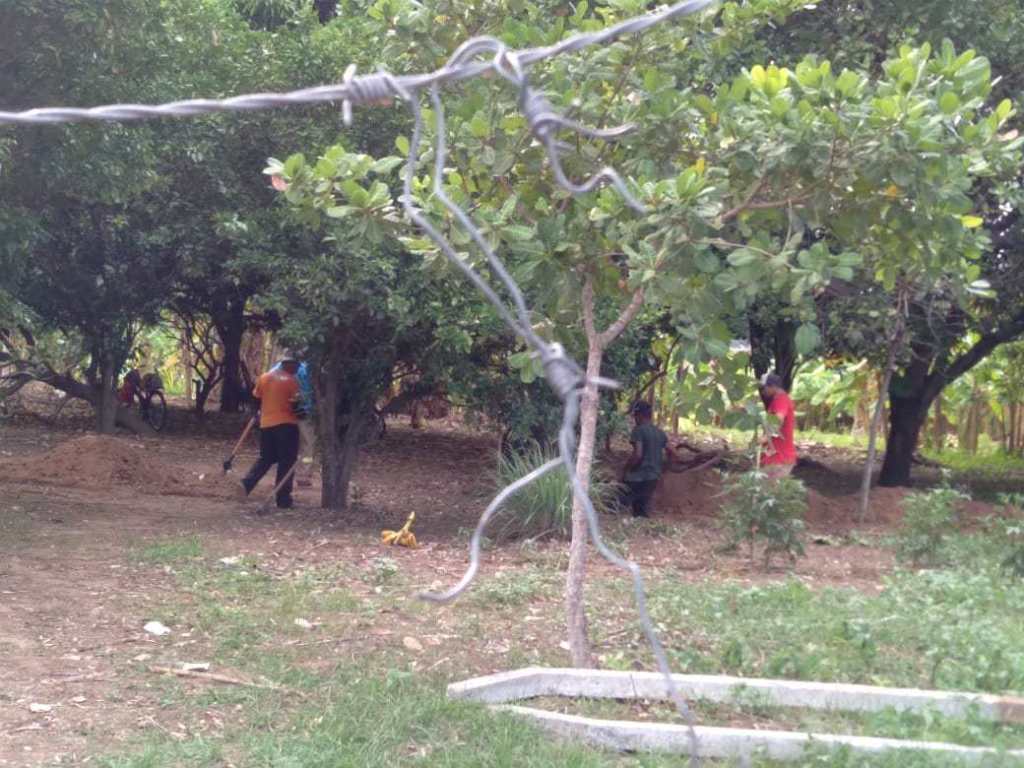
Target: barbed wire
(564, 375)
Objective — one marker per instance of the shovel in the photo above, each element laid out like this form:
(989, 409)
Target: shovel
(234, 451)
(273, 494)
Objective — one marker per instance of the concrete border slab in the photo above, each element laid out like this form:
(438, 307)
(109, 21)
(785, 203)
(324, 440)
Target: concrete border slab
(722, 743)
(609, 684)
(524, 684)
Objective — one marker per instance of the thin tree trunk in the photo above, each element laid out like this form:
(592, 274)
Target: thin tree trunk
(186, 367)
(938, 427)
(883, 392)
(579, 646)
(597, 343)
(661, 403)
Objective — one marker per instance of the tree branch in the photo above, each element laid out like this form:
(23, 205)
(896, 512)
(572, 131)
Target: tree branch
(588, 309)
(982, 349)
(612, 332)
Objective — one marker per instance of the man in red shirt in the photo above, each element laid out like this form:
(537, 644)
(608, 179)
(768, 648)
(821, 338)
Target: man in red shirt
(780, 451)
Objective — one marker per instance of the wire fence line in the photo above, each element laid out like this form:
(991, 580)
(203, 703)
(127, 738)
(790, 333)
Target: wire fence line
(473, 58)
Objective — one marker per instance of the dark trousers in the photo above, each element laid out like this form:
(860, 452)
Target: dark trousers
(278, 445)
(638, 494)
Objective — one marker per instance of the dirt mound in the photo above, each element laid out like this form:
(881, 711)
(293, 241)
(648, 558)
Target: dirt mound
(689, 493)
(95, 461)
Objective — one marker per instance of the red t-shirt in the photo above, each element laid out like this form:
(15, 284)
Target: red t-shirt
(782, 449)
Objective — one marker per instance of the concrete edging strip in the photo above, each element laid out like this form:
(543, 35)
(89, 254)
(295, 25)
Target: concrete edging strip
(609, 684)
(713, 742)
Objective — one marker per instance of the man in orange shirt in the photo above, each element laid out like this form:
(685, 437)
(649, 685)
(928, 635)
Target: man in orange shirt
(277, 396)
(780, 453)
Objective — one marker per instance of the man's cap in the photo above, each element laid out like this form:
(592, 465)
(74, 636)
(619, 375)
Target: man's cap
(772, 380)
(642, 408)
(287, 356)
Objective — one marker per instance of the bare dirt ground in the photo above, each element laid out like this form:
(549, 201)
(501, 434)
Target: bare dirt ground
(76, 510)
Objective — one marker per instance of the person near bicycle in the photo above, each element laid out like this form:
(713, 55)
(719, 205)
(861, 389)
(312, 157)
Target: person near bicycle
(130, 387)
(277, 395)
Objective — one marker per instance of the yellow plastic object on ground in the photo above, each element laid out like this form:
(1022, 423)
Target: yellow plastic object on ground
(404, 537)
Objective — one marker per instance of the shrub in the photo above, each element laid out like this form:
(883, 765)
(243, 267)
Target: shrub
(927, 517)
(770, 512)
(544, 507)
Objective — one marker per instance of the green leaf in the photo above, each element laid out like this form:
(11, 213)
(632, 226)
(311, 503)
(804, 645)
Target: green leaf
(340, 211)
(949, 102)
(808, 337)
(386, 165)
(402, 145)
(479, 126)
(758, 76)
(971, 222)
(518, 232)
(1004, 110)
(847, 83)
(742, 257)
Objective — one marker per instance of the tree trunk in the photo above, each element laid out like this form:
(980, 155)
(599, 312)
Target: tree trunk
(186, 367)
(906, 417)
(662, 401)
(785, 352)
(576, 620)
(973, 428)
(232, 394)
(895, 342)
(939, 426)
(105, 404)
(340, 457)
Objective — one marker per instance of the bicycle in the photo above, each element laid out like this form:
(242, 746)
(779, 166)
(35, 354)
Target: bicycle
(149, 391)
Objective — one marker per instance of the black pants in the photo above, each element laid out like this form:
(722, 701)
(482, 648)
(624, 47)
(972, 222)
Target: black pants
(278, 445)
(638, 494)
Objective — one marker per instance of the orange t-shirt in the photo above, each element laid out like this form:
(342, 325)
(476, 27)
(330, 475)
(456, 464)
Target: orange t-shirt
(277, 392)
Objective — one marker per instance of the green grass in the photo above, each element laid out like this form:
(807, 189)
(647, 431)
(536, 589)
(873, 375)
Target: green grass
(168, 551)
(954, 629)
(942, 629)
(987, 464)
(511, 588)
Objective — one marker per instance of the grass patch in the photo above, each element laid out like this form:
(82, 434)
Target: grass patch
(168, 551)
(510, 588)
(936, 629)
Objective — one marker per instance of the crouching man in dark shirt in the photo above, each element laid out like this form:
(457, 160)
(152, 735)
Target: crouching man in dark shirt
(642, 471)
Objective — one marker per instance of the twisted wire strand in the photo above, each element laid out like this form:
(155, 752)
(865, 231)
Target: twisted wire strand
(358, 90)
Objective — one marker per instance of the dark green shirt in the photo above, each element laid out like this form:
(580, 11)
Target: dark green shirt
(652, 443)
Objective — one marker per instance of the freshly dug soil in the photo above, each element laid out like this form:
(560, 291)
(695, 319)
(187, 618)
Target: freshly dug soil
(106, 461)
